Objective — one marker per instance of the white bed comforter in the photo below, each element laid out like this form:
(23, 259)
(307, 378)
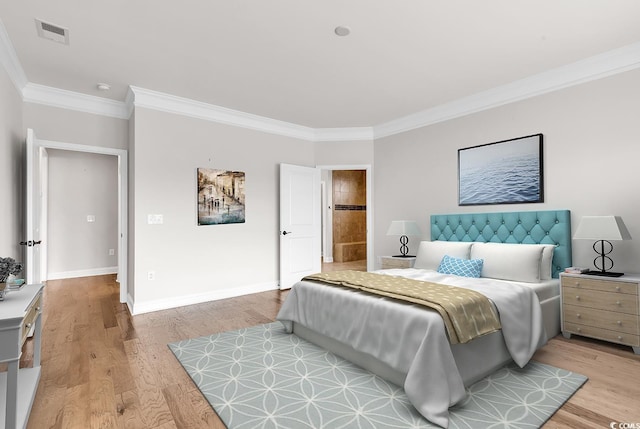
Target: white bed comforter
(410, 338)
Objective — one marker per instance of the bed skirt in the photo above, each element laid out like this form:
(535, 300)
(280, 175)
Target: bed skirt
(466, 356)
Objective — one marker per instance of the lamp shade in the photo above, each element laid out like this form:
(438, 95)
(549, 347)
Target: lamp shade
(404, 227)
(602, 228)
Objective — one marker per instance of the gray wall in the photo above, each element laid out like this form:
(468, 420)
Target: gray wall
(12, 201)
(70, 126)
(344, 153)
(82, 184)
(192, 261)
(590, 131)
(591, 151)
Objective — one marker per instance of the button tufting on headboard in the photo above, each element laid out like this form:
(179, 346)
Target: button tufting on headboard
(533, 227)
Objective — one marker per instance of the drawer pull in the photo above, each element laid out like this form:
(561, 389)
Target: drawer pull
(578, 284)
(617, 288)
(28, 325)
(578, 315)
(577, 297)
(579, 329)
(38, 309)
(619, 338)
(618, 303)
(619, 323)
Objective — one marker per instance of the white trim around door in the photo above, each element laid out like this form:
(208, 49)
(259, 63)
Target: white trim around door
(123, 177)
(369, 178)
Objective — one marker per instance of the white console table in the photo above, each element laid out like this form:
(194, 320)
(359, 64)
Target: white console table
(20, 315)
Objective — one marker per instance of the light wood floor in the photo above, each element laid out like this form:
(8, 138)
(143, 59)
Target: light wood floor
(337, 266)
(102, 368)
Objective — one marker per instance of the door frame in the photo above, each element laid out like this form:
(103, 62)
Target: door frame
(123, 178)
(35, 229)
(369, 181)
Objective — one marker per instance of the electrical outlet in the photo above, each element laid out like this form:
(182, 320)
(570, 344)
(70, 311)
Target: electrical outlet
(151, 275)
(112, 252)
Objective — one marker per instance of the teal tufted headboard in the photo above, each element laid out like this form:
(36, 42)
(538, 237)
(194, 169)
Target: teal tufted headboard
(534, 227)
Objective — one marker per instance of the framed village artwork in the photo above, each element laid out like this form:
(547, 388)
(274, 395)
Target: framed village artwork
(220, 196)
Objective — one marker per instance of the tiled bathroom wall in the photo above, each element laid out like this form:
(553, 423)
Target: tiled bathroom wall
(349, 215)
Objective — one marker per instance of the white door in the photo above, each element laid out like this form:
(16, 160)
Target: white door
(299, 223)
(36, 156)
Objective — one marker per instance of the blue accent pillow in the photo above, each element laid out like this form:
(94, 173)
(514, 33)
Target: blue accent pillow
(460, 267)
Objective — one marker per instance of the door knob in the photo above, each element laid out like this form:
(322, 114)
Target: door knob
(30, 243)
(286, 232)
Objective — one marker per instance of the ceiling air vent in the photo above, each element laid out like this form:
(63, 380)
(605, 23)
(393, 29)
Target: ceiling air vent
(52, 32)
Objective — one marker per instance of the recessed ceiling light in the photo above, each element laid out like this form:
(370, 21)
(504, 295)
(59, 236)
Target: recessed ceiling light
(341, 30)
(104, 86)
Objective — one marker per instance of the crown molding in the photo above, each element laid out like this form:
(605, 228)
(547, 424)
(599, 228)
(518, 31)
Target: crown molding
(209, 112)
(55, 97)
(128, 101)
(343, 134)
(592, 68)
(9, 59)
(141, 97)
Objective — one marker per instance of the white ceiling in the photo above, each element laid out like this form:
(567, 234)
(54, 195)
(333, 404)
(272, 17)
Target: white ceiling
(281, 59)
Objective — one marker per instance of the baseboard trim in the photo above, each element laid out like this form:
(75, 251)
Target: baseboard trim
(130, 304)
(82, 273)
(181, 301)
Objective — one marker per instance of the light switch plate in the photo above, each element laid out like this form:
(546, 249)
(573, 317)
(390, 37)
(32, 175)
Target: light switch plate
(155, 219)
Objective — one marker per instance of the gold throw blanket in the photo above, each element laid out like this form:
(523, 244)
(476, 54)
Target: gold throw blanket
(467, 314)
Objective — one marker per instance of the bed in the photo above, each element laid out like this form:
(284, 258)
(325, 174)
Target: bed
(409, 345)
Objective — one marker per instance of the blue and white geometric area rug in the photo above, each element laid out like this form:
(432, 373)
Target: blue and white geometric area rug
(262, 377)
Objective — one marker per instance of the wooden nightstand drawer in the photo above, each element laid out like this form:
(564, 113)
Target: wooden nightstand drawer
(618, 322)
(602, 334)
(609, 301)
(387, 262)
(600, 285)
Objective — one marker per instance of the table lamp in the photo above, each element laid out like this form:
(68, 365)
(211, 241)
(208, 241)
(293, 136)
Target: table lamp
(602, 229)
(403, 228)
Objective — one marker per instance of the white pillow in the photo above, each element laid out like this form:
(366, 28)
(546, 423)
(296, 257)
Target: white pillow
(516, 262)
(546, 265)
(430, 253)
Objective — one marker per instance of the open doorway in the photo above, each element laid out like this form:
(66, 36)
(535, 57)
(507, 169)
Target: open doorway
(346, 218)
(82, 214)
(120, 249)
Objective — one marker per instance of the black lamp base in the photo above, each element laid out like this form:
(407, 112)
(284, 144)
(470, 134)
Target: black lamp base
(604, 273)
(404, 256)
(603, 260)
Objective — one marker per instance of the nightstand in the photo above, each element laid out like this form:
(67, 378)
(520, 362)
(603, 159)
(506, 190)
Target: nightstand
(396, 262)
(606, 308)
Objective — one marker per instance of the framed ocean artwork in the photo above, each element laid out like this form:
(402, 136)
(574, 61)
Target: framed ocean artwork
(504, 172)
